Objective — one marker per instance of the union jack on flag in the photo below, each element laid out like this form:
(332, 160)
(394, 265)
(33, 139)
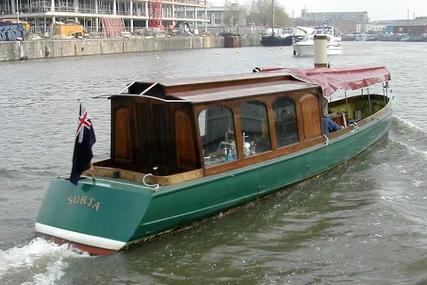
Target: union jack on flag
(84, 123)
(85, 139)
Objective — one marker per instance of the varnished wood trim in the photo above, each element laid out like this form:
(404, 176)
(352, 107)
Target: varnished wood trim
(271, 124)
(309, 129)
(264, 156)
(224, 83)
(238, 132)
(340, 132)
(234, 105)
(138, 177)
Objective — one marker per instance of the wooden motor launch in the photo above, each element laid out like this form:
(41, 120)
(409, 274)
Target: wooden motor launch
(184, 150)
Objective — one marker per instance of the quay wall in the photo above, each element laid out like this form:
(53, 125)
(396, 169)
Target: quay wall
(38, 49)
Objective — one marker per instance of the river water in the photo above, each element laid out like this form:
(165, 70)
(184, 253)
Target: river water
(360, 223)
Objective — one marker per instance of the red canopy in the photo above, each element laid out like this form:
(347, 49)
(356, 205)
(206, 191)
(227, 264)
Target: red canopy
(332, 79)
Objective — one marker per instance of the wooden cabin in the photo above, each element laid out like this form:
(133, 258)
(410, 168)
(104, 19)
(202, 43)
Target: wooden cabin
(181, 130)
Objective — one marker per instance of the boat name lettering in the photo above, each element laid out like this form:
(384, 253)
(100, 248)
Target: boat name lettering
(83, 200)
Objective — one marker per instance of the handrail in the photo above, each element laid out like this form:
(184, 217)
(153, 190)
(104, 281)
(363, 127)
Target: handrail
(326, 139)
(144, 96)
(164, 100)
(155, 186)
(148, 88)
(127, 86)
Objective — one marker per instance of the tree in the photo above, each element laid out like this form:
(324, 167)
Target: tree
(234, 15)
(260, 14)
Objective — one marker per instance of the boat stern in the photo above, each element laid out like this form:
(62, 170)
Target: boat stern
(98, 217)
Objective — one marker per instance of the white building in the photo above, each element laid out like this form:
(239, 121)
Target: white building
(225, 18)
(375, 28)
(134, 13)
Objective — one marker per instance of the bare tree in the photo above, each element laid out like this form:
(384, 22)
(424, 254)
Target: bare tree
(234, 15)
(261, 14)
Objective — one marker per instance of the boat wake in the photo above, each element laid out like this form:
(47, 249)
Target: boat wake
(403, 184)
(410, 136)
(39, 262)
(405, 124)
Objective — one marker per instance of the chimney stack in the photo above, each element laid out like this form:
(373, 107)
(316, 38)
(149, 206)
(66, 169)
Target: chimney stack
(320, 51)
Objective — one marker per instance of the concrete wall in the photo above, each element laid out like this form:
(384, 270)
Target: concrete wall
(61, 48)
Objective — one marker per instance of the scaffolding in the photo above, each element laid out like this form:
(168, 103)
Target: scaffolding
(112, 27)
(155, 15)
(135, 14)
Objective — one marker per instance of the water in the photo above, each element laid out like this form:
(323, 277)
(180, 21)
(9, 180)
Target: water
(360, 223)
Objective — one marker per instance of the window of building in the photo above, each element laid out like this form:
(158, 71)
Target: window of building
(216, 129)
(285, 121)
(254, 124)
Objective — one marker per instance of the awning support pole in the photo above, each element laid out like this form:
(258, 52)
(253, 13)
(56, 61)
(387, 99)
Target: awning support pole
(369, 101)
(127, 86)
(384, 93)
(346, 105)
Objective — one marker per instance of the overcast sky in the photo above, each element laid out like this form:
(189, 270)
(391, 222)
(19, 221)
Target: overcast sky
(377, 9)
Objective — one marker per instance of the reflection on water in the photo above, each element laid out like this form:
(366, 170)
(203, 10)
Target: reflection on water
(361, 223)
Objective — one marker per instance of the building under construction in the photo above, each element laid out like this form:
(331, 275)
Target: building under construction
(107, 16)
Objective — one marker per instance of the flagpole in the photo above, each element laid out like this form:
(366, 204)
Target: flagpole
(81, 111)
(84, 140)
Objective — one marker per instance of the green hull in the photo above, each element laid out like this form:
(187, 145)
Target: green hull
(113, 213)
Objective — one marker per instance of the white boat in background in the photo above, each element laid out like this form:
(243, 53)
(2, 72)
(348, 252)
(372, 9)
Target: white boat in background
(305, 47)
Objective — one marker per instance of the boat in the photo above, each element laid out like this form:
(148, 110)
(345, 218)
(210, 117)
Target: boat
(185, 150)
(305, 47)
(274, 36)
(284, 37)
(272, 41)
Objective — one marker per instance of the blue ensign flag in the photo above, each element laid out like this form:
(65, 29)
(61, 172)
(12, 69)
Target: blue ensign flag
(85, 139)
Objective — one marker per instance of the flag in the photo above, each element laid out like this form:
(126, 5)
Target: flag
(85, 139)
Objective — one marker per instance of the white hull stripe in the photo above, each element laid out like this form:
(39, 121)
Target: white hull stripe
(79, 237)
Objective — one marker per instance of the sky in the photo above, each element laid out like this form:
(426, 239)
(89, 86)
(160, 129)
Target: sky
(377, 9)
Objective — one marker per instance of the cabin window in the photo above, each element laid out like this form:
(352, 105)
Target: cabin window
(285, 121)
(217, 133)
(254, 125)
(184, 140)
(310, 113)
(122, 141)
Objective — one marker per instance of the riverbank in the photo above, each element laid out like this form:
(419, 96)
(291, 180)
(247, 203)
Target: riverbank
(39, 49)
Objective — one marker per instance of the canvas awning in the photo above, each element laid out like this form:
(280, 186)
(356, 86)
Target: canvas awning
(332, 79)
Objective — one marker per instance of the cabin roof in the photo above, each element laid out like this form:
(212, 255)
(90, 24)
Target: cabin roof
(217, 88)
(174, 82)
(248, 90)
(275, 80)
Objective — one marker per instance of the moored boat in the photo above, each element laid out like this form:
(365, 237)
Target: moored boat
(272, 41)
(305, 47)
(183, 150)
